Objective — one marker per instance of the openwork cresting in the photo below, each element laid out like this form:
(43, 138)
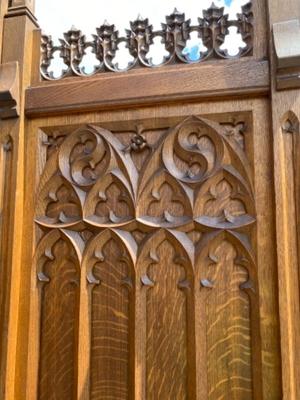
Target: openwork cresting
(212, 29)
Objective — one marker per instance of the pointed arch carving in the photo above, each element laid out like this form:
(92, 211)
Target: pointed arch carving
(145, 225)
(165, 202)
(109, 267)
(58, 273)
(229, 298)
(110, 202)
(165, 268)
(225, 201)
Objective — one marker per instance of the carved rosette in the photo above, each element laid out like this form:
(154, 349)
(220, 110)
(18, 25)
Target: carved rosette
(212, 29)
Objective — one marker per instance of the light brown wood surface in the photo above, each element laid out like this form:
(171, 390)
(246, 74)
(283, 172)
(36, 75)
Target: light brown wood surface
(149, 229)
(285, 111)
(160, 318)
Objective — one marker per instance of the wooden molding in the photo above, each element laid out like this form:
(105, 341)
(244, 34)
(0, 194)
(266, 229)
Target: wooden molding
(9, 90)
(18, 8)
(145, 87)
(287, 52)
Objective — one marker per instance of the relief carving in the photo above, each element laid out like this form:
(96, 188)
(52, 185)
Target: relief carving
(174, 236)
(174, 34)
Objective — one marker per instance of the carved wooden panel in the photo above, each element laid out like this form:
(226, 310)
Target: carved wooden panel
(58, 273)
(157, 226)
(228, 323)
(110, 274)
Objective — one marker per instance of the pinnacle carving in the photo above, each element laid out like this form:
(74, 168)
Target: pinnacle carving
(212, 29)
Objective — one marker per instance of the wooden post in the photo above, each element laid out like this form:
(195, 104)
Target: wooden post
(3, 11)
(18, 26)
(286, 116)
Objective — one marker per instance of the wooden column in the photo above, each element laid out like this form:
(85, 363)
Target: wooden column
(286, 116)
(15, 70)
(3, 11)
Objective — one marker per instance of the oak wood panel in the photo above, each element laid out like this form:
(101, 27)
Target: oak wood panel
(110, 366)
(16, 48)
(216, 79)
(285, 116)
(166, 319)
(59, 320)
(156, 122)
(228, 329)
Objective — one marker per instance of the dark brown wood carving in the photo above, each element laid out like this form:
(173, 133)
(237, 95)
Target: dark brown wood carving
(148, 261)
(212, 29)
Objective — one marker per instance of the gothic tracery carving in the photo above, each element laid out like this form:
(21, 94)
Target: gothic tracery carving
(212, 29)
(165, 229)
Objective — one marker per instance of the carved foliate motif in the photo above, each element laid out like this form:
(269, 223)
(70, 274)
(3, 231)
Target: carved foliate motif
(212, 29)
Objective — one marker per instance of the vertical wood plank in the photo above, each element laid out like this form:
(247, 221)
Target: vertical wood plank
(17, 40)
(283, 103)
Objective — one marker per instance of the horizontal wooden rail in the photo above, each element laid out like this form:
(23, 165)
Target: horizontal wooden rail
(144, 87)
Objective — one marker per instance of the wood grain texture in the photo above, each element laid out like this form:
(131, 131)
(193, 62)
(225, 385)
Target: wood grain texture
(215, 79)
(166, 319)
(3, 10)
(110, 367)
(230, 138)
(16, 47)
(228, 329)
(59, 319)
(285, 113)
(6, 168)
(148, 177)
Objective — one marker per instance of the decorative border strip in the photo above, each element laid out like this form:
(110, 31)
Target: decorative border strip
(212, 29)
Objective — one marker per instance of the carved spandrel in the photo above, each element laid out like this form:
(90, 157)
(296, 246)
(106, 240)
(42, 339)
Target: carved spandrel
(95, 178)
